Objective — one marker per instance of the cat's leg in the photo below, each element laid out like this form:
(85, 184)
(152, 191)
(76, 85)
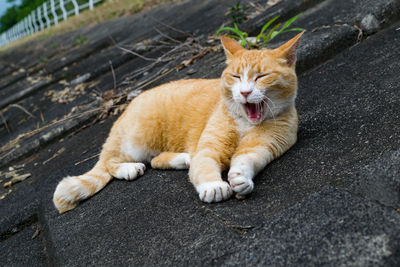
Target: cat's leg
(256, 149)
(242, 171)
(112, 163)
(211, 155)
(171, 160)
(126, 166)
(205, 175)
(125, 170)
(247, 161)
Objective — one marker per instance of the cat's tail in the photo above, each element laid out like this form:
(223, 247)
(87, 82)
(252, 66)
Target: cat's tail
(73, 189)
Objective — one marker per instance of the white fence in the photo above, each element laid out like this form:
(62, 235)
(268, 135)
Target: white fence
(49, 13)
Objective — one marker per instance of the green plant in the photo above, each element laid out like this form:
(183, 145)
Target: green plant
(81, 40)
(43, 60)
(265, 35)
(53, 45)
(241, 36)
(237, 13)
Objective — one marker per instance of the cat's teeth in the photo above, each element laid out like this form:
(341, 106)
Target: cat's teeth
(254, 111)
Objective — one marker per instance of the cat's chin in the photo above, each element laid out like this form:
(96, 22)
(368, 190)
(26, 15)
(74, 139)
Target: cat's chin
(254, 111)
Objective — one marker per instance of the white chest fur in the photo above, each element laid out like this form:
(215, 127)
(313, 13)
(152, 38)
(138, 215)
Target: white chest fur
(243, 126)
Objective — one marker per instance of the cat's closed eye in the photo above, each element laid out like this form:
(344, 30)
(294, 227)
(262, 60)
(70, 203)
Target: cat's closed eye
(260, 76)
(236, 76)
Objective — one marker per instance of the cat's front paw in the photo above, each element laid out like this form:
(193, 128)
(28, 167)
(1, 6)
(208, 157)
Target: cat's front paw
(214, 191)
(240, 184)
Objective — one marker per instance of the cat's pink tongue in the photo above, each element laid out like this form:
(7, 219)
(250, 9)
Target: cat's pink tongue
(253, 111)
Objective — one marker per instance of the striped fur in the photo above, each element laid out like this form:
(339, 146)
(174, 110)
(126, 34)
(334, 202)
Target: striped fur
(239, 122)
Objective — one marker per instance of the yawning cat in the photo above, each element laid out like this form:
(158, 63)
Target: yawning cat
(241, 121)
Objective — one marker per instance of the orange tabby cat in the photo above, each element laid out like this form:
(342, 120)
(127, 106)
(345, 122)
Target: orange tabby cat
(241, 121)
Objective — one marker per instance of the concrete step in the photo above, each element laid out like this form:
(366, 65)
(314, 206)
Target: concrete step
(163, 222)
(158, 219)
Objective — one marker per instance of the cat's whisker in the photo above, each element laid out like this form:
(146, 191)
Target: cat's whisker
(272, 113)
(269, 99)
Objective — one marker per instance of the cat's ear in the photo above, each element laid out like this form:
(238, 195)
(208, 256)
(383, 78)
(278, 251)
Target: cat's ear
(230, 47)
(288, 50)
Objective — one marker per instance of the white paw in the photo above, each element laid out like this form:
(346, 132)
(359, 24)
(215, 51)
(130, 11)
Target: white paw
(214, 191)
(130, 171)
(180, 161)
(240, 184)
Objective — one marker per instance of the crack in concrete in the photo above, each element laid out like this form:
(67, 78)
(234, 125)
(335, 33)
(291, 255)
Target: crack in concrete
(15, 229)
(242, 230)
(380, 203)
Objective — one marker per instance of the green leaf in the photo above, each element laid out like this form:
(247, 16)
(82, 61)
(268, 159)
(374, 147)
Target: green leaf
(294, 30)
(274, 34)
(233, 36)
(289, 22)
(243, 41)
(241, 34)
(265, 27)
(268, 37)
(225, 29)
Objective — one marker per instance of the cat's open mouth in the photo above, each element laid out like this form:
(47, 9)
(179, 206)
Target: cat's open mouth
(254, 111)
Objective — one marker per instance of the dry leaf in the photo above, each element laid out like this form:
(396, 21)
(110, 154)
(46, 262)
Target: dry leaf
(187, 62)
(20, 178)
(105, 109)
(10, 174)
(107, 95)
(63, 82)
(68, 94)
(50, 93)
(36, 233)
(16, 179)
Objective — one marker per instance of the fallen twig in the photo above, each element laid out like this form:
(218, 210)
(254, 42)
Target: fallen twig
(167, 36)
(5, 122)
(113, 74)
(131, 52)
(170, 27)
(23, 109)
(89, 158)
(61, 150)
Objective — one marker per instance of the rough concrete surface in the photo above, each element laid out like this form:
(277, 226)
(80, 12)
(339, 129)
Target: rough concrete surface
(330, 227)
(333, 199)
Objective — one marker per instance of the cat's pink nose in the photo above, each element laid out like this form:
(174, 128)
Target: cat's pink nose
(245, 94)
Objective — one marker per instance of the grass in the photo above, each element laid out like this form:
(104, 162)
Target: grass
(43, 60)
(267, 32)
(237, 13)
(108, 10)
(81, 40)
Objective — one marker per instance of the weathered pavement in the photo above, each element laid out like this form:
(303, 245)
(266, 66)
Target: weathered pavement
(333, 199)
